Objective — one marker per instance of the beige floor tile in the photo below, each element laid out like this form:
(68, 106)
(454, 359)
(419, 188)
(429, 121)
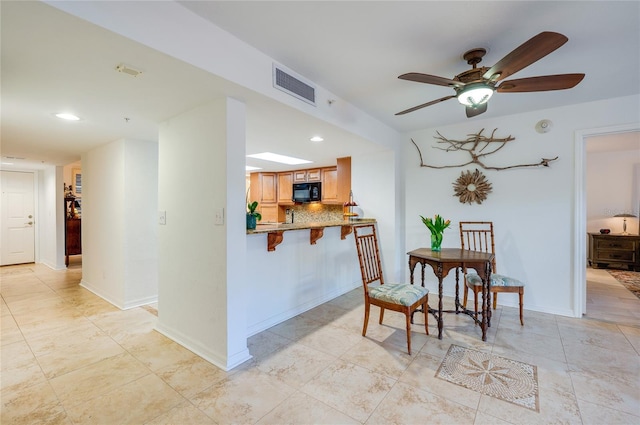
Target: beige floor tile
(595, 414)
(421, 374)
(98, 378)
(75, 356)
(325, 313)
(609, 340)
(9, 332)
(633, 336)
(19, 368)
(557, 402)
(350, 300)
(21, 299)
(191, 376)
(384, 359)
(295, 328)
(134, 403)
(30, 307)
(615, 391)
(83, 332)
(483, 418)
(303, 409)
(183, 414)
(349, 388)
(156, 351)
(242, 398)
(539, 345)
(405, 404)
(265, 343)
(589, 356)
(331, 340)
(36, 404)
(104, 365)
(295, 364)
(122, 325)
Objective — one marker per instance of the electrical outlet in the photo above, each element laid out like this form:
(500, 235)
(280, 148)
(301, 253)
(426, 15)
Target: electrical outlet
(162, 217)
(218, 216)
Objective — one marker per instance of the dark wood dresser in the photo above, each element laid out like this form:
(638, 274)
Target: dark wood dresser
(614, 249)
(72, 230)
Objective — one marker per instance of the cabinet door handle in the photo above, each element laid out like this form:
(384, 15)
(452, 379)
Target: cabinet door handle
(30, 223)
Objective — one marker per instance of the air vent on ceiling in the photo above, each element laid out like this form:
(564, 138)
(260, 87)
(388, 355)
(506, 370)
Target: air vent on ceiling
(126, 70)
(288, 82)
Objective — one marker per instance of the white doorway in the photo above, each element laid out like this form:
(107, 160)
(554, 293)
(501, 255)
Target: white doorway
(580, 209)
(18, 218)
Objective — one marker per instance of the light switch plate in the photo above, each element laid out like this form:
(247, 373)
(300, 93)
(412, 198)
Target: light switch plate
(218, 217)
(162, 217)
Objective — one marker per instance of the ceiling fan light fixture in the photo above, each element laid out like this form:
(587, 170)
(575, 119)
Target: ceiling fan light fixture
(475, 94)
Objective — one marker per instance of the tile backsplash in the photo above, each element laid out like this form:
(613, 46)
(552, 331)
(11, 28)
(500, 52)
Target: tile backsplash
(309, 213)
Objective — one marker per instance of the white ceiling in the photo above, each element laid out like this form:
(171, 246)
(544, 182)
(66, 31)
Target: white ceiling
(52, 61)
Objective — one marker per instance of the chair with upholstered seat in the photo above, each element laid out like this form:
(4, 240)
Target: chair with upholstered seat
(478, 236)
(402, 297)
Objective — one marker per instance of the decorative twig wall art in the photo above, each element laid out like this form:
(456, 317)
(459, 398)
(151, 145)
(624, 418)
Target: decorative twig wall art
(478, 147)
(471, 187)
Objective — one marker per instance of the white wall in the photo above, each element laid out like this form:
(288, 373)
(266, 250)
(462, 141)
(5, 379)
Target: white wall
(119, 257)
(51, 218)
(374, 185)
(201, 278)
(610, 189)
(532, 208)
(297, 276)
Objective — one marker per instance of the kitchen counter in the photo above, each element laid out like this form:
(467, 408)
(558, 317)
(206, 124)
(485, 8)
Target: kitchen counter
(276, 231)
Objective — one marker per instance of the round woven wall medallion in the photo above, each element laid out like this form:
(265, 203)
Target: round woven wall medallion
(471, 187)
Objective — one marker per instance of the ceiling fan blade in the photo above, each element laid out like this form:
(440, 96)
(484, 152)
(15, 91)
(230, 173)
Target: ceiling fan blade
(424, 105)
(431, 79)
(543, 83)
(526, 54)
(473, 111)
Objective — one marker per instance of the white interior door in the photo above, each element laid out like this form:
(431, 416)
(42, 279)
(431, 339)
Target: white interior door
(18, 218)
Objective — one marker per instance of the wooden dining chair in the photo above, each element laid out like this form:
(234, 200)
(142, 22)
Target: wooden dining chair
(478, 236)
(403, 297)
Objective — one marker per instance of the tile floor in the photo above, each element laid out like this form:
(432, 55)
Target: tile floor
(68, 357)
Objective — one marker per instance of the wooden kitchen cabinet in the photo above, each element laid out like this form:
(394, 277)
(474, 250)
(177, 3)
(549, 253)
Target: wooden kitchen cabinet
(311, 175)
(344, 179)
(336, 182)
(285, 188)
(269, 213)
(614, 249)
(330, 184)
(264, 187)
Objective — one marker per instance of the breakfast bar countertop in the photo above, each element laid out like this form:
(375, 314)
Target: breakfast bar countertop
(280, 227)
(275, 231)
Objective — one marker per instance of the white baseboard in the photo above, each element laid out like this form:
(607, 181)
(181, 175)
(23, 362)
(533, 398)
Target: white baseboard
(216, 359)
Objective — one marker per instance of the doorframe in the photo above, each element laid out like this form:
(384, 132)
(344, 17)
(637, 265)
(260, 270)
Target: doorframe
(580, 210)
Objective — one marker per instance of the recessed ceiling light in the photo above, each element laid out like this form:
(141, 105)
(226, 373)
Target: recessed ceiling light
(251, 168)
(67, 116)
(282, 159)
(316, 139)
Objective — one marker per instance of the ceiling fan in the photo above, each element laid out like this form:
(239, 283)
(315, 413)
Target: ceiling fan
(474, 87)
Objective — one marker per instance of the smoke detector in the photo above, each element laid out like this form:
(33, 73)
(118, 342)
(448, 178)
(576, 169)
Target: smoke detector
(129, 71)
(544, 126)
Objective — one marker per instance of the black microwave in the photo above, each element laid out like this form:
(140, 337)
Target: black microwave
(307, 192)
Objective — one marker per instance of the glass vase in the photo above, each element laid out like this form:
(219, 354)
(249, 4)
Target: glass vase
(436, 242)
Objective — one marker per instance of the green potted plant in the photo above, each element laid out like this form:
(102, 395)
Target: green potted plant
(252, 215)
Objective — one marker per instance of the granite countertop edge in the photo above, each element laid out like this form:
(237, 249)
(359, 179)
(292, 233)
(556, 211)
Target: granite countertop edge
(281, 227)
